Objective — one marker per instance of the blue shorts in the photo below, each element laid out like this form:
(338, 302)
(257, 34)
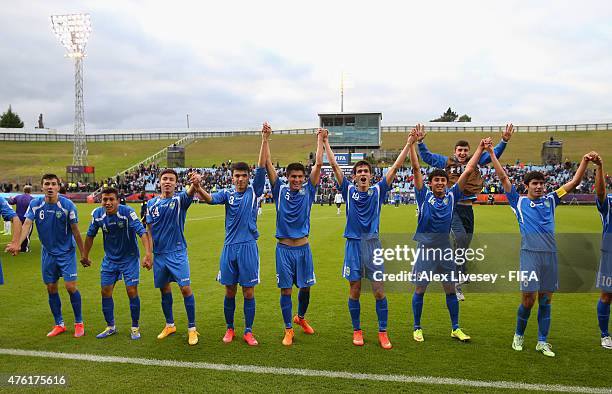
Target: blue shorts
(294, 266)
(359, 260)
(55, 267)
(1, 274)
(171, 267)
(604, 275)
(111, 272)
(239, 264)
(430, 262)
(545, 267)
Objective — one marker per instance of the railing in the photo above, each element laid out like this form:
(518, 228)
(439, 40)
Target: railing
(455, 128)
(143, 135)
(154, 158)
(20, 136)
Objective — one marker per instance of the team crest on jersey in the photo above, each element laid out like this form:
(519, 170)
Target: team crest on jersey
(58, 215)
(370, 192)
(445, 201)
(120, 224)
(302, 191)
(172, 205)
(547, 203)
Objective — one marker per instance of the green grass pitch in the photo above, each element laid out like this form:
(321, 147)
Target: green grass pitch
(488, 318)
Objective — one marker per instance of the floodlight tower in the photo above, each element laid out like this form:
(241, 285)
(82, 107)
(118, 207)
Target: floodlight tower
(73, 31)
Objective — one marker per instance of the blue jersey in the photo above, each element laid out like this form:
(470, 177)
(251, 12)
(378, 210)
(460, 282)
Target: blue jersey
(435, 215)
(53, 223)
(167, 219)
(119, 232)
(363, 208)
(441, 161)
(6, 211)
(536, 219)
(293, 209)
(605, 211)
(241, 210)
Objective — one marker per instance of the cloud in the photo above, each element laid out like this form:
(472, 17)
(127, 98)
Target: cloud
(233, 65)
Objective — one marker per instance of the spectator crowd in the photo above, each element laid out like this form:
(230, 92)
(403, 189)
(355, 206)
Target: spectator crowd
(146, 178)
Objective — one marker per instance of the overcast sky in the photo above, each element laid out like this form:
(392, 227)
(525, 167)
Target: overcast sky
(235, 64)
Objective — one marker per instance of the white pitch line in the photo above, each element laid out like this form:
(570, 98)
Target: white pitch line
(431, 380)
(205, 218)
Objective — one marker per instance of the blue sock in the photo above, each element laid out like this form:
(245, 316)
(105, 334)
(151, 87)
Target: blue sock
(285, 304)
(135, 310)
(166, 302)
(355, 310)
(55, 303)
(229, 306)
(603, 316)
(453, 309)
(417, 309)
(249, 314)
(108, 309)
(190, 308)
(75, 300)
(303, 301)
(382, 311)
(522, 317)
(543, 319)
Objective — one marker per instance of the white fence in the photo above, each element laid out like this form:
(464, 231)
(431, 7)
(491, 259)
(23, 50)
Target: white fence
(37, 136)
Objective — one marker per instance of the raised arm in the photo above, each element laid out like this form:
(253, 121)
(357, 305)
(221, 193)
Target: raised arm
(332, 161)
(472, 165)
(315, 172)
(414, 161)
(500, 147)
(600, 182)
(575, 181)
(499, 170)
(194, 179)
(264, 149)
(203, 194)
(390, 176)
(265, 138)
(433, 159)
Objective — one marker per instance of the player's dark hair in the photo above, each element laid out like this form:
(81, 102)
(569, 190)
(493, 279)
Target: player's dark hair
(296, 167)
(240, 166)
(533, 175)
(362, 163)
(462, 143)
(110, 190)
(437, 172)
(168, 171)
(49, 177)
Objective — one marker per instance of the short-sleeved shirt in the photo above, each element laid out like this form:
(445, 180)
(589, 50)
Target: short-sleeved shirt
(605, 211)
(363, 208)
(6, 211)
(119, 232)
(435, 215)
(293, 209)
(22, 202)
(167, 219)
(241, 210)
(536, 219)
(53, 223)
